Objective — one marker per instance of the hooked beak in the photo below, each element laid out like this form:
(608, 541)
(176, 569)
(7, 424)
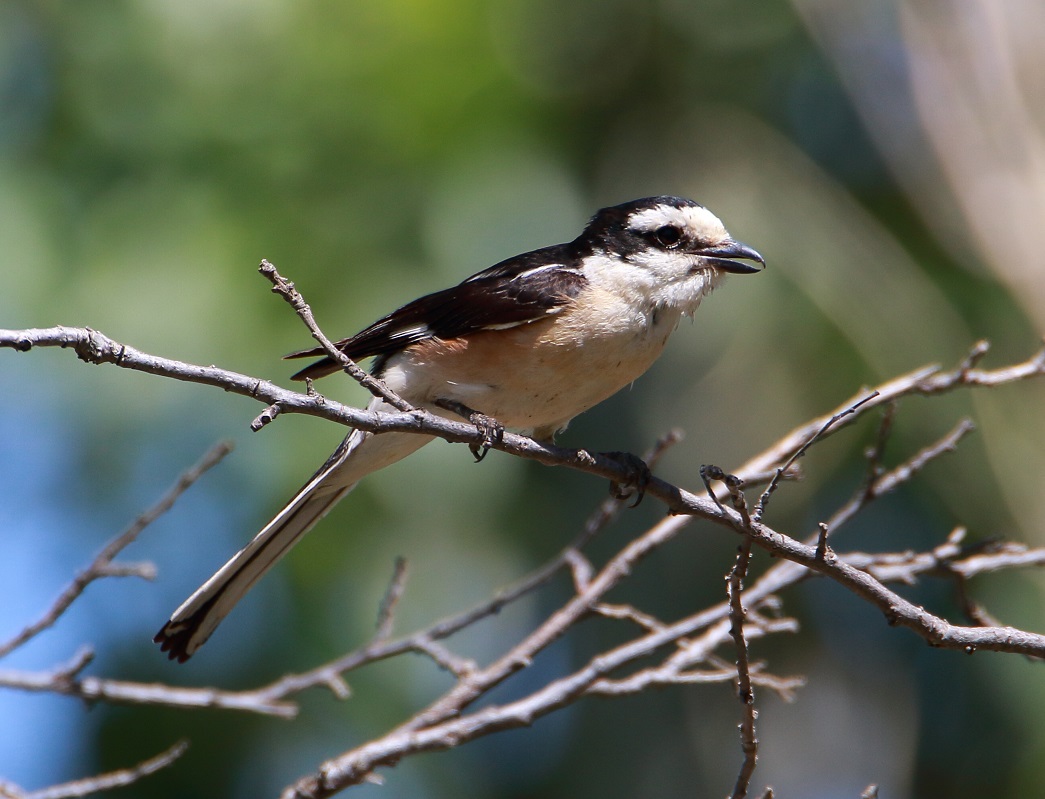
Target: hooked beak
(721, 256)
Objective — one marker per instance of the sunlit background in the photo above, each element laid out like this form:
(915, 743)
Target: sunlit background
(888, 159)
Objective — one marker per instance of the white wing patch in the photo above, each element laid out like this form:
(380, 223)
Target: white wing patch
(537, 270)
(418, 331)
(509, 325)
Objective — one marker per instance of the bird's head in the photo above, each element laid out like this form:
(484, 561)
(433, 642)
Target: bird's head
(672, 236)
(669, 250)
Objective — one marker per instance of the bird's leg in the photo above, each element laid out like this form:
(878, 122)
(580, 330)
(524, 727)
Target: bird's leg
(639, 475)
(492, 430)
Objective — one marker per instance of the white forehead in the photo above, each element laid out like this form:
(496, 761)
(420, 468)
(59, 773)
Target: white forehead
(699, 221)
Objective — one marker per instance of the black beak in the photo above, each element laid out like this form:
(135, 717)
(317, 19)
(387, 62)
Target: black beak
(721, 256)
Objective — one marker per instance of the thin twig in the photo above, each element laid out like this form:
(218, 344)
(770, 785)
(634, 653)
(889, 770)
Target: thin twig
(391, 600)
(445, 659)
(287, 290)
(822, 549)
(734, 485)
(925, 381)
(763, 501)
(102, 782)
(876, 453)
(887, 481)
(629, 613)
(102, 565)
(581, 568)
(976, 353)
(745, 691)
(123, 692)
(708, 473)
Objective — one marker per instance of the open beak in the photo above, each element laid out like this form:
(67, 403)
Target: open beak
(722, 256)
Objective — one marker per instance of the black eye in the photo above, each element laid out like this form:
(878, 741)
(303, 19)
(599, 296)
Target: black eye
(668, 236)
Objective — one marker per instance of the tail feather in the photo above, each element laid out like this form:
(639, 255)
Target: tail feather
(359, 454)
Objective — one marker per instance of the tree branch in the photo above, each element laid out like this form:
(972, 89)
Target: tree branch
(745, 690)
(102, 565)
(102, 782)
(94, 347)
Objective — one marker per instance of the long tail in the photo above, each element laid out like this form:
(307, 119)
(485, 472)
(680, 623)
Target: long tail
(358, 455)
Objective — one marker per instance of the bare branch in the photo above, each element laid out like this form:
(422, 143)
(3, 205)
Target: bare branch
(102, 782)
(102, 565)
(949, 558)
(96, 348)
(391, 600)
(628, 613)
(461, 668)
(444, 721)
(876, 453)
(269, 698)
(745, 691)
(569, 558)
(95, 689)
(883, 482)
(897, 610)
(763, 501)
(927, 381)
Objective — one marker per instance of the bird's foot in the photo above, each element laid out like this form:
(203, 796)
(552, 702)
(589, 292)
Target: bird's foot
(639, 476)
(491, 430)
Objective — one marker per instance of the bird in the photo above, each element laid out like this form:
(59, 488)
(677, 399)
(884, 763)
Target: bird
(527, 344)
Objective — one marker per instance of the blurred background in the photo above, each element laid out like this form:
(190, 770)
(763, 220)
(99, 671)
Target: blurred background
(888, 159)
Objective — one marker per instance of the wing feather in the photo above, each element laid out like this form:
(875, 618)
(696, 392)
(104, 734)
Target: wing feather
(517, 291)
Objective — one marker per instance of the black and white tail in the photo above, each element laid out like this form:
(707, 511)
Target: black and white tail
(358, 455)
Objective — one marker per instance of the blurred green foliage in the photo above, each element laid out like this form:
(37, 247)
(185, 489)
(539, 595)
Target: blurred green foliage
(152, 153)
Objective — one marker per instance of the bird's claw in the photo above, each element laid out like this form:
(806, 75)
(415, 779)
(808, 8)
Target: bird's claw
(639, 476)
(491, 430)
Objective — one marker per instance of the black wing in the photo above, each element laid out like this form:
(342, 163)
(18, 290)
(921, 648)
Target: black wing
(522, 289)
